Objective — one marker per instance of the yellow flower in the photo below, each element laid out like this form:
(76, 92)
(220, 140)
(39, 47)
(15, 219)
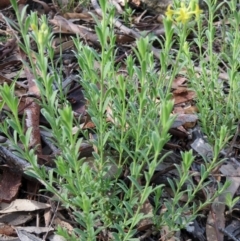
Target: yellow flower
(184, 14)
(197, 12)
(34, 27)
(44, 26)
(169, 13)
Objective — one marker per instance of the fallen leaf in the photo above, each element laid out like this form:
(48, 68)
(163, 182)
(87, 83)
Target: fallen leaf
(183, 97)
(146, 210)
(80, 16)
(22, 205)
(178, 81)
(63, 224)
(185, 120)
(25, 236)
(7, 230)
(191, 110)
(70, 27)
(216, 216)
(16, 219)
(9, 184)
(56, 237)
(36, 230)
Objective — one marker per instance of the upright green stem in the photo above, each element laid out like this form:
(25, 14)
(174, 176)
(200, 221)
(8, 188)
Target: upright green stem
(182, 40)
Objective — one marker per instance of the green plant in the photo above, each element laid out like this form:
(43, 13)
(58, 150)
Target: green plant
(4, 38)
(128, 14)
(216, 107)
(139, 107)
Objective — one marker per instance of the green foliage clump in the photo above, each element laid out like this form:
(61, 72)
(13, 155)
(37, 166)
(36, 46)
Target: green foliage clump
(140, 125)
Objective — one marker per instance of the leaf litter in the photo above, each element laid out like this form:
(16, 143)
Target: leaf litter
(21, 204)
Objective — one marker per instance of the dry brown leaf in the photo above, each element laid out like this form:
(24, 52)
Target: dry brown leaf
(58, 222)
(8, 48)
(9, 184)
(212, 232)
(32, 109)
(180, 90)
(36, 230)
(80, 16)
(19, 205)
(185, 120)
(178, 110)
(191, 110)
(135, 2)
(16, 219)
(25, 236)
(217, 217)
(7, 230)
(182, 97)
(64, 46)
(88, 125)
(65, 25)
(123, 39)
(9, 64)
(178, 81)
(147, 210)
(47, 217)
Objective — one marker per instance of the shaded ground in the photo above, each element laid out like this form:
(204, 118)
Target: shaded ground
(32, 214)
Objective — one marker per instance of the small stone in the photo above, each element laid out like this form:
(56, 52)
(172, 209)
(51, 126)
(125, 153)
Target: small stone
(3, 139)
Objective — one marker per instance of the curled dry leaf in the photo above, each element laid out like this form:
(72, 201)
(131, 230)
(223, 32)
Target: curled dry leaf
(22, 205)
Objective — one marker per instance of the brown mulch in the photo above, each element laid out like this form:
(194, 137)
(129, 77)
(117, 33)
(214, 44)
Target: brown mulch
(28, 213)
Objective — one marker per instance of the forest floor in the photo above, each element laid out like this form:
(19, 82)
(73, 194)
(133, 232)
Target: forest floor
(204, 121)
